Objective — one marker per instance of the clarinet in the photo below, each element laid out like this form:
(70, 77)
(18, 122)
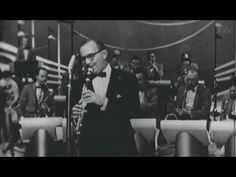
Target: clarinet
(81, 115)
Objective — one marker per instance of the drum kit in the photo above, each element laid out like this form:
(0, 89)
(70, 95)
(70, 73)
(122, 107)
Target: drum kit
(11, 88)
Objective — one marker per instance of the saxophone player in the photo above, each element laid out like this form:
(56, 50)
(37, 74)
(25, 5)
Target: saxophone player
(194, 99)
(36, 96)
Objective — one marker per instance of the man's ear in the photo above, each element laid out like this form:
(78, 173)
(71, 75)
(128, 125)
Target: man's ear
(104, 53)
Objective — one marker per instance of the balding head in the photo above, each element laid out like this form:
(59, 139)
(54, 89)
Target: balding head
(95, 54)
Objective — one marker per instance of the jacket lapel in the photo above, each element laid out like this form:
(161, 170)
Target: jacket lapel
(196, 99)
(34, 93)
(113, 84)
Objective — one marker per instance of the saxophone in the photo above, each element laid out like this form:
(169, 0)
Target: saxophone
(42, 110)
(81, 115)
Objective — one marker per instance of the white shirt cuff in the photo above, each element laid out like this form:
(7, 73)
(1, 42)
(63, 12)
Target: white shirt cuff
(104, 106)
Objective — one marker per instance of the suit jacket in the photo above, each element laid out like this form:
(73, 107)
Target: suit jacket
(28, 103)
(202, 102)
(109, 132)
(20, 55)
(151, 103)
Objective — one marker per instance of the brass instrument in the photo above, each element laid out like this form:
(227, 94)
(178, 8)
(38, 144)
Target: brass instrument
(42, 110)
(81, 115)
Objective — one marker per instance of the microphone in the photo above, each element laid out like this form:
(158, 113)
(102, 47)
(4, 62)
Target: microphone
(71, 63)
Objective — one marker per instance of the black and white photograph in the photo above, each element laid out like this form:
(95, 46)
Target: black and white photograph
(118, 88)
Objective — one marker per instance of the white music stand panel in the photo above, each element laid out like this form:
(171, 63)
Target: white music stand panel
(146, 127)
(170, 128)
(222, 130)
(30, 125)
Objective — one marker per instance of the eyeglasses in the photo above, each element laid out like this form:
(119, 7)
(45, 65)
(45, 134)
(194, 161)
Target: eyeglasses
(91, 55)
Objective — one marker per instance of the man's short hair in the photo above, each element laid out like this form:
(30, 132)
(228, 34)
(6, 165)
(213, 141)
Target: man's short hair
(41, 68)
(151, 52)
(136, 58)
(141, 71)
(194, 68)
(185, 57)
(99, 43)
(116, 52)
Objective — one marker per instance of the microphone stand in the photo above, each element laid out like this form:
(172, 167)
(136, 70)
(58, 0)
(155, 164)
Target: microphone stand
(215, 113)
(68, 122)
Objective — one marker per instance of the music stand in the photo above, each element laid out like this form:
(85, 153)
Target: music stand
(145, 128)
(223, 133)
(190, 136)
(54, 125)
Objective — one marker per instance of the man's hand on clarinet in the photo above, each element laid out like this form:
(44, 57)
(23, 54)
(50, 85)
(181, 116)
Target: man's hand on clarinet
(77, 109)
(91, 97)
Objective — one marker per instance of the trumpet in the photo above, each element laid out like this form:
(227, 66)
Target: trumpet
(81, 115)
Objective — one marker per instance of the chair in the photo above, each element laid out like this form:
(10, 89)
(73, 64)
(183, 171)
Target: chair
(146, 135)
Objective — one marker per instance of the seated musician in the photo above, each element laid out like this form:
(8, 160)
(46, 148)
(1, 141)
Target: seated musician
(228, 102)
(148, 96)
(36, 100)
(193, 100)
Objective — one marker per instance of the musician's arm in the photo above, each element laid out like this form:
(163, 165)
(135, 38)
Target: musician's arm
(161, 70)
(153, 104)
(204, 110)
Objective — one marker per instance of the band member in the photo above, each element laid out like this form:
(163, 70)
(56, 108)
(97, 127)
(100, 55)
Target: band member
(25, 66)
(135, 64)
(193, 99)
(148, 96)
(115, 61)
(228, 103)
(25, 52)
(182, 71)
(154, 69)
(36, 99)
(111, 99)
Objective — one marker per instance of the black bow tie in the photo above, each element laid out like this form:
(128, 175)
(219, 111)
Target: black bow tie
(93, 76)
(102, 74)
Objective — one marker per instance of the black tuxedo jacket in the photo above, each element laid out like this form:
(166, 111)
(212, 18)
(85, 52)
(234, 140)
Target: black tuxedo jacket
(202, 102)
(20, 55)
(109, 132)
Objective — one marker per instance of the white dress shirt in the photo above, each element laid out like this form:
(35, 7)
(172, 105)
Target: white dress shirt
(39, 93)
(190, 98)
(26, 53)
(141, 97)
(100, 85)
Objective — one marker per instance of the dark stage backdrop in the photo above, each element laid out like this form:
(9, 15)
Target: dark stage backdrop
(168, 37)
